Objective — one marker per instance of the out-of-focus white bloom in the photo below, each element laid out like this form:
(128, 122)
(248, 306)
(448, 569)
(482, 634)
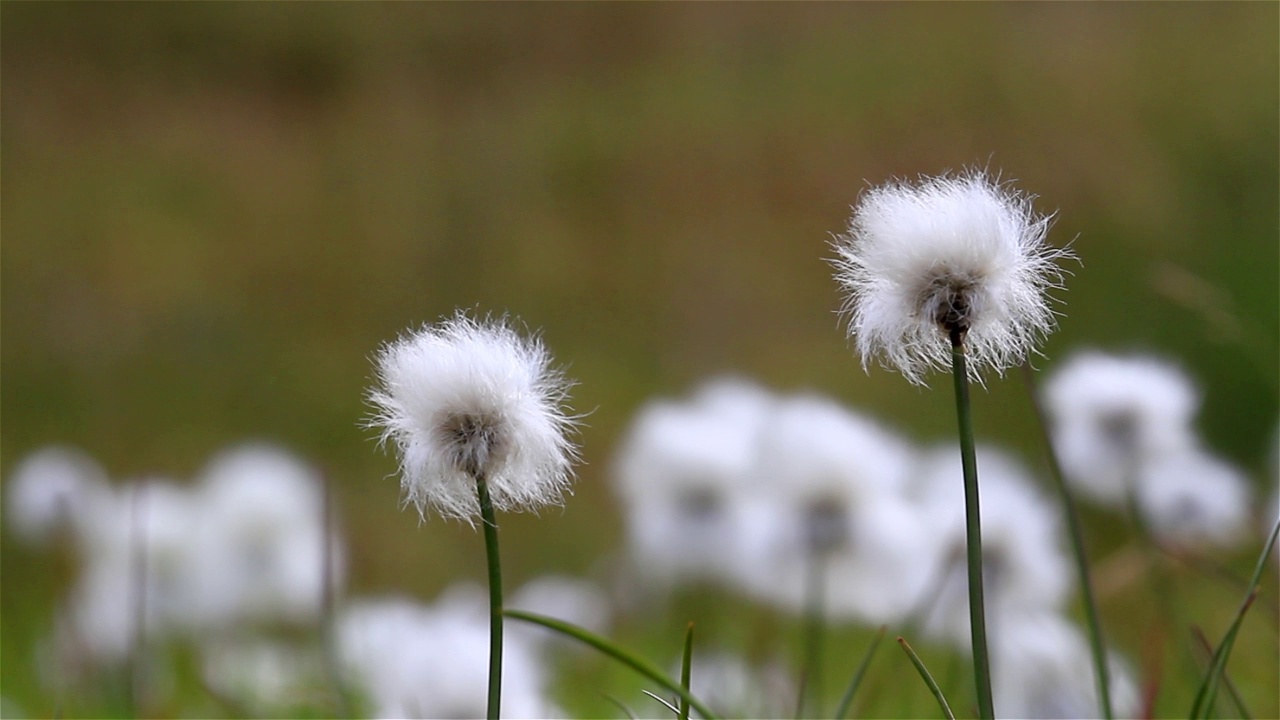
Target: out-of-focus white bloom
(259, 542)
(727, 684)
(681, 475)
(53, 488)
(1192, 498)
(1025, 569)
(469, 400)
(1110, 414)
(565, 598)
(431, 662)
(262, 674)
(149, 521)
(829, 490)
(958, 252)
(1042, 667)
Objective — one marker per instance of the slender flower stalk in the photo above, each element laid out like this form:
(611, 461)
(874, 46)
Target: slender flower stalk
(811, 687)
(492, 557)
(1097, 645)
(955, 268)
(138, 658)
(475, 411)
(972, 527)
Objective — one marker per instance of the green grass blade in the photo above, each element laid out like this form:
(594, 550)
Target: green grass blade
(847, 701)
(631, 660)
(686, 670)
(619, 704)
(1206, 650)
(1097, 646)
(928, 679)
(662, 701)
(1209, 688)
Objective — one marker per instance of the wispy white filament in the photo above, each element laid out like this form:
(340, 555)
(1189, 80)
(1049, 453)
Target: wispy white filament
(466, 400)
(958, 251)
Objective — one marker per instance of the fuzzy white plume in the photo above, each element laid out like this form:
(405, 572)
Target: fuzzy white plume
(958, 251)
(466, 400)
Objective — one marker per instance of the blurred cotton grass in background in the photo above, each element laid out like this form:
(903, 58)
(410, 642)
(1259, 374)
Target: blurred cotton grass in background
(953, 268)
(219, 565)
(477, 414)
(1124, 427)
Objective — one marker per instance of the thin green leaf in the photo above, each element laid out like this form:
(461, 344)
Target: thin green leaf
(618, 703)
(631, 660)
(1097, 645)
(1209, 688)
(663, 701)
(847, 701)
(1206, 650)
(928, 679)
(686, 669)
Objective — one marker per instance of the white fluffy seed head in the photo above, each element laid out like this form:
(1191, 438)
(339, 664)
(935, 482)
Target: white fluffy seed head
(467, 399)
(1191, 498)
(1113, 414)
(682, 473)
(956, 251)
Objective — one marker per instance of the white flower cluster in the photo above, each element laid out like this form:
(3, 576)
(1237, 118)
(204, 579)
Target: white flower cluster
(754, 492)
(430, 661)
(1123, 428)
(234, 567)
(242, 547)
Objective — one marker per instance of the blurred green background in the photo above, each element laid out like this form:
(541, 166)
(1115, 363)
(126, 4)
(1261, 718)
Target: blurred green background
(213, 214)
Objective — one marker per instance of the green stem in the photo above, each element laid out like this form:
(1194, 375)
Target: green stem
(686, 670)
(814, 624)
(846, 702)
(328, 621)
(1096, 643)
(928, 679)
(973, 527)
(1218, 666)
(138, 658)
(495, 596)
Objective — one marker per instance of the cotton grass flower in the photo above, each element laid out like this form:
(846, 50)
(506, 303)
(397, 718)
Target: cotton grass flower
(1026, 570)
(953, 268)
(475, 410)
(412, 660)
(955, 254)
(1112, 414)
(1193, 499)
(1041, 668)
(54, 489)
(469, 400)
(682, 475)
(829, 486)
(260, 540)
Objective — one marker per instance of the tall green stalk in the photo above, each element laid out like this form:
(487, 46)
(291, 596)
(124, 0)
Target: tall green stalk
(1092, 619)
(973, 526)
(495, 596)
(811, 688)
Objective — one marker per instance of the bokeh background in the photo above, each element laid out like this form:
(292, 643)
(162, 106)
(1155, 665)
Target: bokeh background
(213, 214)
